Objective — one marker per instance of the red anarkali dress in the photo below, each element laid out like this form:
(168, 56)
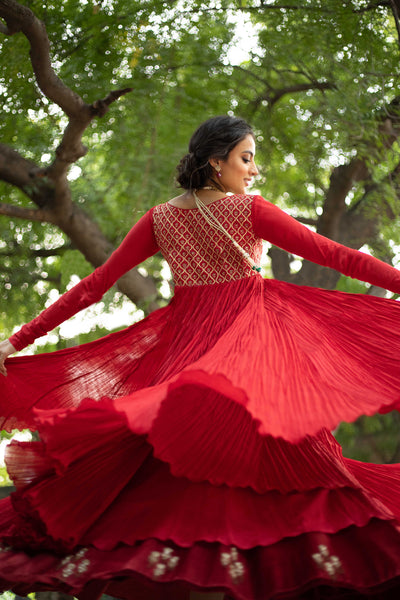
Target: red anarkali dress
(192, 450)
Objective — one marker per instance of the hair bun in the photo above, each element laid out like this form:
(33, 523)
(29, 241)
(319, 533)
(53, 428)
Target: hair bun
(186, 168)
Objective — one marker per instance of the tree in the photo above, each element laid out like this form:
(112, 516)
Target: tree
(48, 187)
(48, 125)
(341, 96)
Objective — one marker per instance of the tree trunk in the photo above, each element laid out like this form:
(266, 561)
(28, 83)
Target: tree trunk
(48, 188)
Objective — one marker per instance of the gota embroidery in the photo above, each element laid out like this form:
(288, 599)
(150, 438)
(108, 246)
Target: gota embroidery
(196, 252)
(329, 563)
(74, 564)
(231, 561)
(162, 561)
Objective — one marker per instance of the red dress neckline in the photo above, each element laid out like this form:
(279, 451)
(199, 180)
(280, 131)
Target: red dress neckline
(195, 207)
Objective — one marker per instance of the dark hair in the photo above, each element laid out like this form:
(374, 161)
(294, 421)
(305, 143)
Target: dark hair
(215, 138)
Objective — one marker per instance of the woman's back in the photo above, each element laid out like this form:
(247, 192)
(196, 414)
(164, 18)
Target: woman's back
(197, 253)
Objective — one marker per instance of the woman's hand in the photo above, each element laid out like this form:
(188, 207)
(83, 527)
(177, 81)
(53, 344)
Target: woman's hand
(6, 348)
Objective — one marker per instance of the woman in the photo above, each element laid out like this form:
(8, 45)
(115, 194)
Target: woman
(190, 455)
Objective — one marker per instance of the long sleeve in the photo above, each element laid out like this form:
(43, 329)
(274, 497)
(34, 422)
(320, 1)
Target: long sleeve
(272, 224)
(138, 245)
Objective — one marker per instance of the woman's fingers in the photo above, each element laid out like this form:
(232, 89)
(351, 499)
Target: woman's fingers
(6, 348)
(3, 369)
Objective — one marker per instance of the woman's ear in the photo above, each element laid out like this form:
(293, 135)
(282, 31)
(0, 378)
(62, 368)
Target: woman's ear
(214, 162)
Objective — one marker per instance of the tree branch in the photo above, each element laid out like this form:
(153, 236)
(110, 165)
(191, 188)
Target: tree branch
(391, 178)
(300, 87)
(254, 75)
(26, 175)
(49, 187)
(307, 221)
(264, 7)
(342, 181)
(260, 8)
(395, 6)
(33, 277)
(21, 18)
(100, 107)
(18, 212)
(372, 6)
(54, 280)
(17, 250)
(272, 96)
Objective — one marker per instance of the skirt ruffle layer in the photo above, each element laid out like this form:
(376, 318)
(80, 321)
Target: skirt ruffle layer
(353, 563)
(141, 488)
(191, 451)
(297, 359)
(108, 515)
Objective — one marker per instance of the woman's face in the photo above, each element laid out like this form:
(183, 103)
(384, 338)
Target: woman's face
(238, 170)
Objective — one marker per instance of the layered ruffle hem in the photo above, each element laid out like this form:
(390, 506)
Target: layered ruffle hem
(192, 451)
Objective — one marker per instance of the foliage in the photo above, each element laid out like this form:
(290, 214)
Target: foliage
(178, 58)
(132, 152)
(307, 132)
(373, 439)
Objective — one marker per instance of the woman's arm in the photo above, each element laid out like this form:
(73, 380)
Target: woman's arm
(138, 245)
(272, 224)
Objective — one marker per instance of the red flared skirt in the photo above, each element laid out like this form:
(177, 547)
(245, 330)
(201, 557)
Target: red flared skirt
(192, 451)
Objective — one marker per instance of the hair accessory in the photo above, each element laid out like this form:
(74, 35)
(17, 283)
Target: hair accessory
(213, 221)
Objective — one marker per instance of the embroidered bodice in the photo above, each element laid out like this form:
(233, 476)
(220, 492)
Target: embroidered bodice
(197, 253)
